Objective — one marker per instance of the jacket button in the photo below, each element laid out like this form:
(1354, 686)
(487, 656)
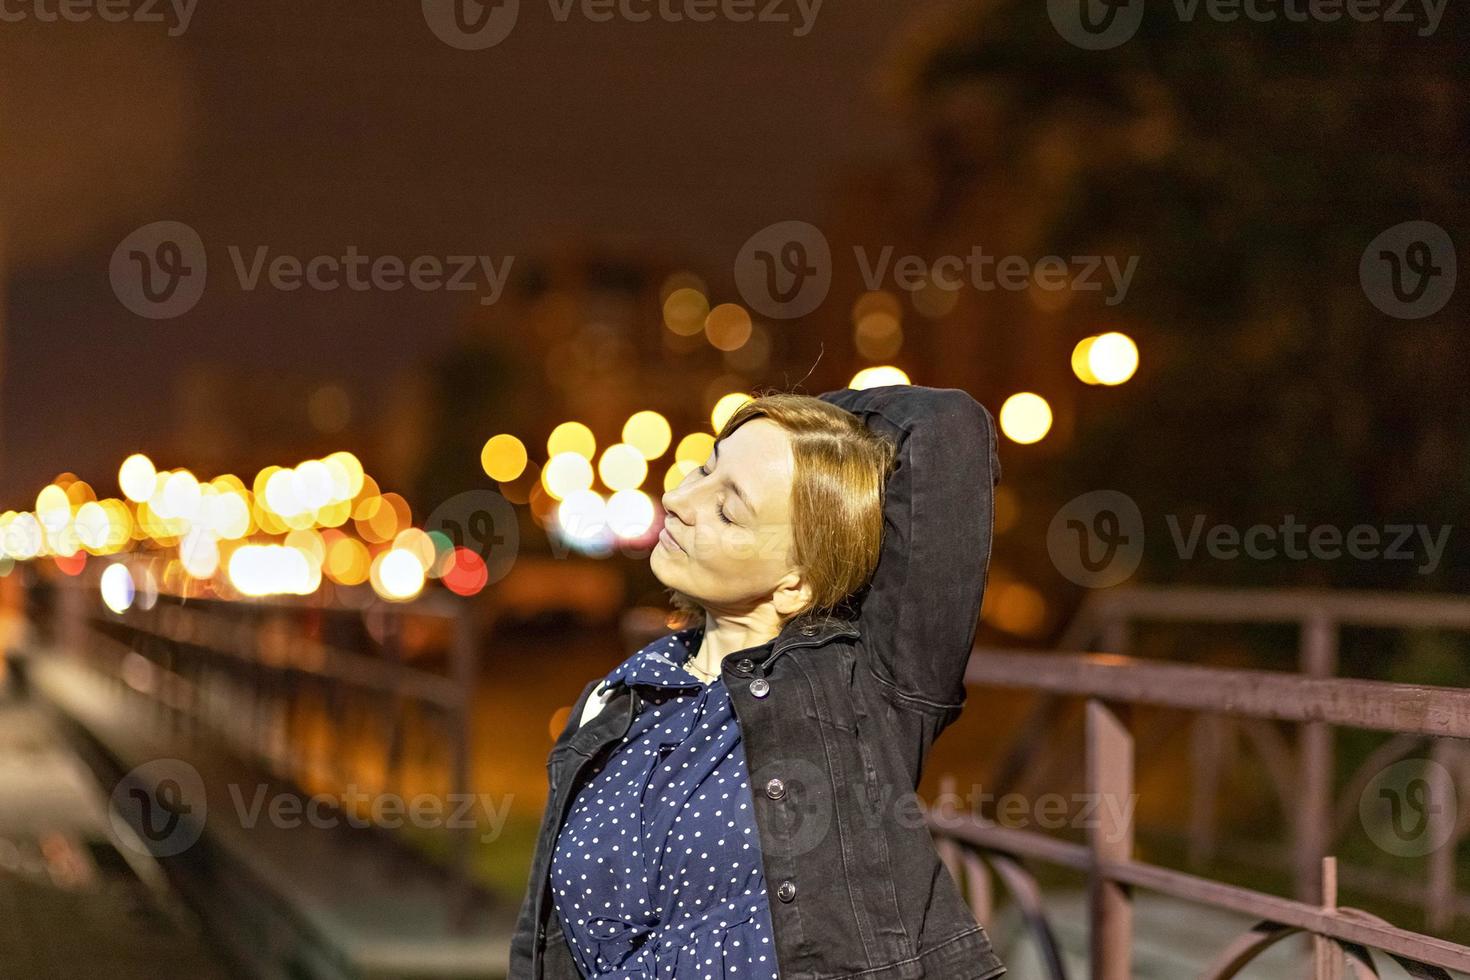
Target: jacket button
(744, 665)
(775, 789)
(808, 631)
(760, 687)
(786, 891)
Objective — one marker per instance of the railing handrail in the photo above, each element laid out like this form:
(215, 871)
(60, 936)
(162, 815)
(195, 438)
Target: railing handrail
(1343, 925)
(1373, 705)
(1245, 605)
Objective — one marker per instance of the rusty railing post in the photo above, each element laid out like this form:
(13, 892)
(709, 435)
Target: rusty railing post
(1314, 763)
(1110, 838)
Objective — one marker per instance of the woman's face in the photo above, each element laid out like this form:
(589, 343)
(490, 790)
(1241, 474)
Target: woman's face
(727, 539)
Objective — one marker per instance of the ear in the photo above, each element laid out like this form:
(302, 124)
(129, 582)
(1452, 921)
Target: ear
(793, 594)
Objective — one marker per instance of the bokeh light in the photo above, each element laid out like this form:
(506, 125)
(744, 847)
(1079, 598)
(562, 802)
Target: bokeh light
(1025, 418)
(649, 433)
(503, 457)
(878, 376)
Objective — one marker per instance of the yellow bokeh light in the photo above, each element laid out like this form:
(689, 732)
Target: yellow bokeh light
(416, 542)
(24, 536)
(695, 448)
(1080, 363)
(1016, 608)
(685, 311)
(313, 484)
(649, 433)
(728, 326)
(136, 477)
(53, 508)
(878, 301)
(199, 553)
(571, 437)
(630, 513)
(878, 376)
(310, 543)
(503, 457)
(181, 496)
(878, 336)
(93, 526)
(724, 408)
(582, 515)
(348, 561)
(271, 569)
(397, 575)
(1025, 418)
(622, 467)
(349, 465)
(677, 472)
(280, 494)
(565, 474)
(1113, 358)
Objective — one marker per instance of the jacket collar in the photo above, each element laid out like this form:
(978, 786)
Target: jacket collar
(661, 663)
(809, 633)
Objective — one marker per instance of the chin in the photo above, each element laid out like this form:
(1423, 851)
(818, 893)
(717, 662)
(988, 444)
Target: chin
(659, 564)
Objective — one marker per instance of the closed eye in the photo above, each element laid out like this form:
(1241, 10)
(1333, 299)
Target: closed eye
(704, 470)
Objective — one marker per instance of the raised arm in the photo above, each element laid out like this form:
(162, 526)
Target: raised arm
(918, 619)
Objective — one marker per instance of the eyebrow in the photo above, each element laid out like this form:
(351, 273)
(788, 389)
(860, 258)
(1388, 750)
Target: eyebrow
(733, 485)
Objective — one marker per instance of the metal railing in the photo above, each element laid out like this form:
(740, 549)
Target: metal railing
(243, 675)
(1110, 684)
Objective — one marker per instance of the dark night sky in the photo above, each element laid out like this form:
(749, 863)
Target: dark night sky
(308, 128)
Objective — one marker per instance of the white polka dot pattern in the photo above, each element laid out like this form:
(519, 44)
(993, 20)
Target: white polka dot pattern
(656, 874)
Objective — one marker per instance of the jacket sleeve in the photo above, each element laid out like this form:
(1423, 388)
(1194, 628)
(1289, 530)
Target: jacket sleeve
(919, 616)
(523, 940)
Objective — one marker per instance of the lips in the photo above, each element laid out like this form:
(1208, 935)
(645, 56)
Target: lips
(667, 539)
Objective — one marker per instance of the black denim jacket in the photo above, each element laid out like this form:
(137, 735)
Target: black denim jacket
(837, 717)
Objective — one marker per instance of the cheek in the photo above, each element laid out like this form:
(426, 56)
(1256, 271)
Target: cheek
(727, 548)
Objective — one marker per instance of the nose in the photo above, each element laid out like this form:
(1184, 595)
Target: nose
(674, 501)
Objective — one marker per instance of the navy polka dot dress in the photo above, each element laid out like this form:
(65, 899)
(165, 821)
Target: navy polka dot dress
(657, 871)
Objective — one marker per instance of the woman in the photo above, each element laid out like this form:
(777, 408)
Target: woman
(736, 800)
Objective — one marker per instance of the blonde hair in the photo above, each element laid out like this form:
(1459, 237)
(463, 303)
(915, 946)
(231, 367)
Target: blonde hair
(840, 468)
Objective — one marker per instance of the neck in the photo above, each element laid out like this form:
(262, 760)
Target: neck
(725, 634)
